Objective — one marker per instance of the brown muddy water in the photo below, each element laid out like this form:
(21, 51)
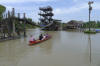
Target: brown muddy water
(63, 49)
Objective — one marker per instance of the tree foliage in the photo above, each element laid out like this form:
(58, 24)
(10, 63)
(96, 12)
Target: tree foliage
(92, 24)
(2, 10)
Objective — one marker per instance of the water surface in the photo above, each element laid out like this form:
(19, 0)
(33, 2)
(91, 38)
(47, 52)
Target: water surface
(63, 49)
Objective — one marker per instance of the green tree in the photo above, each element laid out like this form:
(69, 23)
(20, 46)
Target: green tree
(98, 24)
(91, 23)
(29, 19)
(2, 10)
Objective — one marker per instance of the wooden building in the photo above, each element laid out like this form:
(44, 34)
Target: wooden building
(73, 24)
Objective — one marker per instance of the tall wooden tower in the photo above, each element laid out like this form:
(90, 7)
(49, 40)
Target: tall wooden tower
(46, 15)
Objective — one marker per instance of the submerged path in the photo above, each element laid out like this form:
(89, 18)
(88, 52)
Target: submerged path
(64, 49)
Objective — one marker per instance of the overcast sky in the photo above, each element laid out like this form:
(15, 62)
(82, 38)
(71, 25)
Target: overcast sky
(64, 10)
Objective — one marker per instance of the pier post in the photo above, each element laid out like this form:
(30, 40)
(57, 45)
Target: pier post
(24, 24)
(13, 16)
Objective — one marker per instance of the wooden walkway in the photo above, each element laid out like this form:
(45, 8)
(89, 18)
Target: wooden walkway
(8, 38)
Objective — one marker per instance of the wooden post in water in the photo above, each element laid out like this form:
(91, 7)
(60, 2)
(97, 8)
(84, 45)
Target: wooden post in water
(24, 24)
(9, 24)
(17, 30)
(2, 28)
(13, 16)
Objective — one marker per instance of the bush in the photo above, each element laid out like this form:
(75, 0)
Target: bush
(90, 32)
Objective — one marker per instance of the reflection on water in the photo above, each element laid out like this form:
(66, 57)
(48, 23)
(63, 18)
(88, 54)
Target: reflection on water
(63, 49)
(89, 42)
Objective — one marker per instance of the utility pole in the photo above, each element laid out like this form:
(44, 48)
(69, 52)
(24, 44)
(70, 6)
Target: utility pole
(90, 9)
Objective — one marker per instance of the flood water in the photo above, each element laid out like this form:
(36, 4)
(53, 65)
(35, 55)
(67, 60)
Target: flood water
(63, 49)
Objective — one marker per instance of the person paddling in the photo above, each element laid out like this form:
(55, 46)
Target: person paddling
(44, 37)
(40, 37)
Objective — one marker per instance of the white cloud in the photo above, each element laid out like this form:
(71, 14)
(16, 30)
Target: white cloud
(73, 9)
(96, 6)
(9, 8)
(63, 12)
(75, 0)
(19, 1)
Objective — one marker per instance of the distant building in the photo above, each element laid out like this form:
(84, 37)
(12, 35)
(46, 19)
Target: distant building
(73, 24)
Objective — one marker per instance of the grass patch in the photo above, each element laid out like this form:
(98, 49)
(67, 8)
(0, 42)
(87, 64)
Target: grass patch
(98, 28)
(90, 32)
(28, 26)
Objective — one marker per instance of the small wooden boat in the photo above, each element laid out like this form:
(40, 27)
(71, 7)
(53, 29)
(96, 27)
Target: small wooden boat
(38, 41)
